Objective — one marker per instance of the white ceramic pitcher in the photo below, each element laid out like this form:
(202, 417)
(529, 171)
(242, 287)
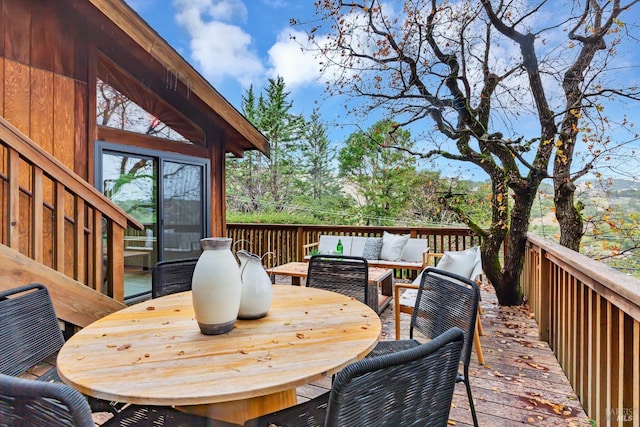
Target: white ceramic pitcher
(216, 287)
(257, 291)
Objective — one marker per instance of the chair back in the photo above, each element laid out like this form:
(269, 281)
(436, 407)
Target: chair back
(446, 300)
(29, 329)
(170, 277)
(343, 274)
(26, 402)
(409, 387)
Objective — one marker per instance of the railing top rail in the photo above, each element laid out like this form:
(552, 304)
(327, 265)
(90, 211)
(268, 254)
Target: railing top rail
(362, 228)
(622, 290)
(15, 139)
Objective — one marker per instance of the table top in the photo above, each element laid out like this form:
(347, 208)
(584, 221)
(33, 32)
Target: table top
(299, 269)
(153, 352)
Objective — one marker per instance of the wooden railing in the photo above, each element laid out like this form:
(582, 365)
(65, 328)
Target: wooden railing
(589, 314)
(53, 216)
(286, 242)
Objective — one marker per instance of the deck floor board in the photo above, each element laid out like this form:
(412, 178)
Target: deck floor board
(521, 382)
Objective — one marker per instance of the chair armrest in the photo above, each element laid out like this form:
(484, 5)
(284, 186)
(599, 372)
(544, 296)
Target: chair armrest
(425, 258)
(396, 292)
(432, 256)
(396, 303)
(308, 246)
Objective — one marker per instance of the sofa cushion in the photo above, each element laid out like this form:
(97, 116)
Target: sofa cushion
(327, 244)
(372, 248)
(392, 245)
(462, 263)
(414, 249)
(357, 245)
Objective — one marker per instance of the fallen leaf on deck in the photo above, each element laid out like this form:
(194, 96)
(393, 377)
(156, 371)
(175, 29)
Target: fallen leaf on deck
(181, 352)
(124, 347)
(300, 335)
(111, 345)
(151, 308)
(243, 351)
(451, 423)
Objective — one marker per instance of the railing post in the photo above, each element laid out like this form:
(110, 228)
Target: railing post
(299, 249)
(544, 295)
(115, 261)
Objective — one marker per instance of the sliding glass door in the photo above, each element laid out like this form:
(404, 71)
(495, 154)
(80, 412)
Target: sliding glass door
(167, 193)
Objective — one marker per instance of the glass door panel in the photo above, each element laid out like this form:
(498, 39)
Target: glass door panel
(182, 195)
(131, 182)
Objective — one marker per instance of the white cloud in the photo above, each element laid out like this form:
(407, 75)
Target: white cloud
(222, 50)
(290, 58)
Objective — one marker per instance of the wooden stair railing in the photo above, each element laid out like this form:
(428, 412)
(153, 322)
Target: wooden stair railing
(55, 217)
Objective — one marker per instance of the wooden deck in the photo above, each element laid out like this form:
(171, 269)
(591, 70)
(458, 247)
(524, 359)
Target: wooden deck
(521, 382)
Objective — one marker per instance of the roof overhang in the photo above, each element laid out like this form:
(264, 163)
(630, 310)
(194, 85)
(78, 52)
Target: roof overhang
(246, 137)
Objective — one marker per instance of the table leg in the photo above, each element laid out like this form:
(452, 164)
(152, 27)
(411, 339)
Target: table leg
(387, 285)
(239, 411)
(295, 280)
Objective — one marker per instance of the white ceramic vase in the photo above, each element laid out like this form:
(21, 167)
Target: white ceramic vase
(257, 291)
(216, 287)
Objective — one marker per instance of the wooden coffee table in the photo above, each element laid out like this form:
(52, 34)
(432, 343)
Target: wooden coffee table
(380, 280)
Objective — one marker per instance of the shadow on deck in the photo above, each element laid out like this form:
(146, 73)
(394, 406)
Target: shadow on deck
(521, 382)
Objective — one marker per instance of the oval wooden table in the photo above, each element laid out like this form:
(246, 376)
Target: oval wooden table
(153, 353)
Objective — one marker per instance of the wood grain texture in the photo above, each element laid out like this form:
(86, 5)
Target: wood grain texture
(17, 34)
(63, 119)
(17, 95)
(154, 353)
(73, 301)
(44, 27)
(41, 120)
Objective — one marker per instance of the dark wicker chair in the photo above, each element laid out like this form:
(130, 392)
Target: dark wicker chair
(346, 275)
(410, 387)
(444, 300)
(30, 334)
(26, 402)
(170, 277)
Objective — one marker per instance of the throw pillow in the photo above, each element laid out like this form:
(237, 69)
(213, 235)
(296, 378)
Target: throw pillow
(392, 245)
(459, 262)
(372, 248)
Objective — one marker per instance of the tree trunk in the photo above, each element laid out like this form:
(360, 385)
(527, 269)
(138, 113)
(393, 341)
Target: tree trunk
(506, 281)
(568, 216)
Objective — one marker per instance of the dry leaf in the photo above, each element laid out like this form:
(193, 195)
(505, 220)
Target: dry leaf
(451, 422)
(181, 352)
(531, 420)
(300, 335)
(498, 374)
(147, 355)
(80, 358)
(111, 345)
(151, 308)
(124, 347)
(166, 323)
(243, 351)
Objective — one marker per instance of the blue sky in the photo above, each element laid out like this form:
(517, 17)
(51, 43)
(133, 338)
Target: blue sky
(236, 43)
